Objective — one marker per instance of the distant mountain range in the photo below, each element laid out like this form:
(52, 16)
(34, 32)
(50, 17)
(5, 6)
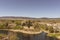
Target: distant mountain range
(13, 17)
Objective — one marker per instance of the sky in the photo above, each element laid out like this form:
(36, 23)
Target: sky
(30, 8)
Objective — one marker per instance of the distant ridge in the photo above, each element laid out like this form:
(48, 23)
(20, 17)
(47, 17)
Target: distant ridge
(15, 17)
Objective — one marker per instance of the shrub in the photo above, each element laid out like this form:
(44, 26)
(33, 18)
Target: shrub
(18, 27)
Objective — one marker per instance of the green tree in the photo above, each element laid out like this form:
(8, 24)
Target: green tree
(12, 21)
(23, 24)
(37, 26)
(18, 27)
(2, 26)
(28, 23)
(44, 26)
(18, 23)
(51, 30)
(6, 25)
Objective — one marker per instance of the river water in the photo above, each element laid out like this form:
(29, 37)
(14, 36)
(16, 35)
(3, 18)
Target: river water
(41, 36)
(21, 36)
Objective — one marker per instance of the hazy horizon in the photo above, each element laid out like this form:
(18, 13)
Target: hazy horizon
(28, 16)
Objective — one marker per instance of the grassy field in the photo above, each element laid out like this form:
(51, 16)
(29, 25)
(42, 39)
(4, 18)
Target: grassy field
(54, 34)
(3, 35)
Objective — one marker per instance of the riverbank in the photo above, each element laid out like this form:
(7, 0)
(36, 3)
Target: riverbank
(23, 31)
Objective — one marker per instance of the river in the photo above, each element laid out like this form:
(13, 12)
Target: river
(21, 36)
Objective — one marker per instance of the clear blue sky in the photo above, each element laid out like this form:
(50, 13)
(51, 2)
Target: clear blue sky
(30, 8)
